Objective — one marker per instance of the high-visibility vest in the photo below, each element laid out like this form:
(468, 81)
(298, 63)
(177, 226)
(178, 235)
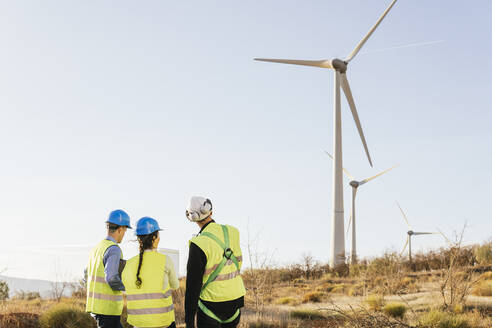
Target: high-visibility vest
(228, 284)
(151, 305)
(101, 299)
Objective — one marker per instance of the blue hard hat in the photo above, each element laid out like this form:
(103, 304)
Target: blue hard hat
(146, 226)
(120, 218)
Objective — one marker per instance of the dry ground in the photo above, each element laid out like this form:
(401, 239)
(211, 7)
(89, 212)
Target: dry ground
(277, 301)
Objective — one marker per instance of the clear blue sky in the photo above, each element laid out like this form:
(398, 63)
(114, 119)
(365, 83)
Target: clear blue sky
(139, 105)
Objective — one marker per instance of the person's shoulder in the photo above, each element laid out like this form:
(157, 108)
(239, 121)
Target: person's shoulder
(113, 250)
(169, 261)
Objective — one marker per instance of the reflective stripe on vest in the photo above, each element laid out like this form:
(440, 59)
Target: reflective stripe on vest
(101, 299)
(149, 296)
(229, 262)
(150, 305)
(100, 296)
(228, 285)
(151, 310)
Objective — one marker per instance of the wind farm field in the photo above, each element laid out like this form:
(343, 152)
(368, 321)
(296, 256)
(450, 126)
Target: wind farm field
(449, 287)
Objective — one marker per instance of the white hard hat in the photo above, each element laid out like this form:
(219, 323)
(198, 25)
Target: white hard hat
(199, 208)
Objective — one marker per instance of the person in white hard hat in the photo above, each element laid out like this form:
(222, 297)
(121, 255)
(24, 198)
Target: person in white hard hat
(213, 281)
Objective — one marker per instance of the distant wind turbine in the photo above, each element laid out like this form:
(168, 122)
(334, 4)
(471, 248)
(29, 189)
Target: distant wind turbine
(355, 185)
(411, 233)
(337, 249)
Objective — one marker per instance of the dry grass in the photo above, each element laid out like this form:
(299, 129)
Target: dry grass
(287, 301)
(483, 288)
(375, 302)
(439, 319)
(312, 297)
(306, 314)
(395, 310)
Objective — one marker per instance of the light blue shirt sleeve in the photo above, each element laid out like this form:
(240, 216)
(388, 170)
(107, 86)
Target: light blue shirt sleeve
(111, 261)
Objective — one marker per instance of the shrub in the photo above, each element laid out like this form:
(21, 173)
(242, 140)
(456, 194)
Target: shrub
(438, 319)
(339, 289)
(395, 310)
(286, 301)
(483, 288)
(484, 254)
(356, 290)
(375, 302)
(63, 316)
(26, 296)
(314, 297)
(19, 320)
(486, 276)
(4, 290)
(304, 314)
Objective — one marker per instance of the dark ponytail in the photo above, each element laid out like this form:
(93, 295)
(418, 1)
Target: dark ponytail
(145, 242)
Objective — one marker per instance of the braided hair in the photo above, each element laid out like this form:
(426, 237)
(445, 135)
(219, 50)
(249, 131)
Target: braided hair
(145, 242)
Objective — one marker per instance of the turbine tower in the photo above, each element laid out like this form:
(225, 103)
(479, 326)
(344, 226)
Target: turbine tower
(337, 250)
(411, 233)
(355, 185)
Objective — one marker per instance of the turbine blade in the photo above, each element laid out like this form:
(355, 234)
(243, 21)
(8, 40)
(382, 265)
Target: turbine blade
(404, 216)
(377, 175)
(315, 63)
(404, 247)
(361, 43)
(344, 170)
(425, 233)
(348, 94)
(442, 234)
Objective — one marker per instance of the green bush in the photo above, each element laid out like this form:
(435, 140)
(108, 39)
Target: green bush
(395, 310)
(438, 319)
(4, 290)
(375, 302)
(64, 316)
(306, 314)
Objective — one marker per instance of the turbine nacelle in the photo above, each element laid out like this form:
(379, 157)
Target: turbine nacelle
(354, 184)
(339, 65)
(410, 232)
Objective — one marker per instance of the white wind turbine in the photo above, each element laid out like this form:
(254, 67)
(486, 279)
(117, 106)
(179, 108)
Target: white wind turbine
(355, 185)
(411, 233)
(337, 250)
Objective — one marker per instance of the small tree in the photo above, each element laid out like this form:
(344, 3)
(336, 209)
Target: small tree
(80, 287)
(457, 279)
(258, 277)
(60, 285)
(4, 290)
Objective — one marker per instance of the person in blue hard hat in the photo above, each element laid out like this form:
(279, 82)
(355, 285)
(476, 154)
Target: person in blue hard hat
(149, 279)
(104, 284)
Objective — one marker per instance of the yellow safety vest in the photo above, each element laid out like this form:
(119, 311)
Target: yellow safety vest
(101, 299)
(151, 305)
(228, 285)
